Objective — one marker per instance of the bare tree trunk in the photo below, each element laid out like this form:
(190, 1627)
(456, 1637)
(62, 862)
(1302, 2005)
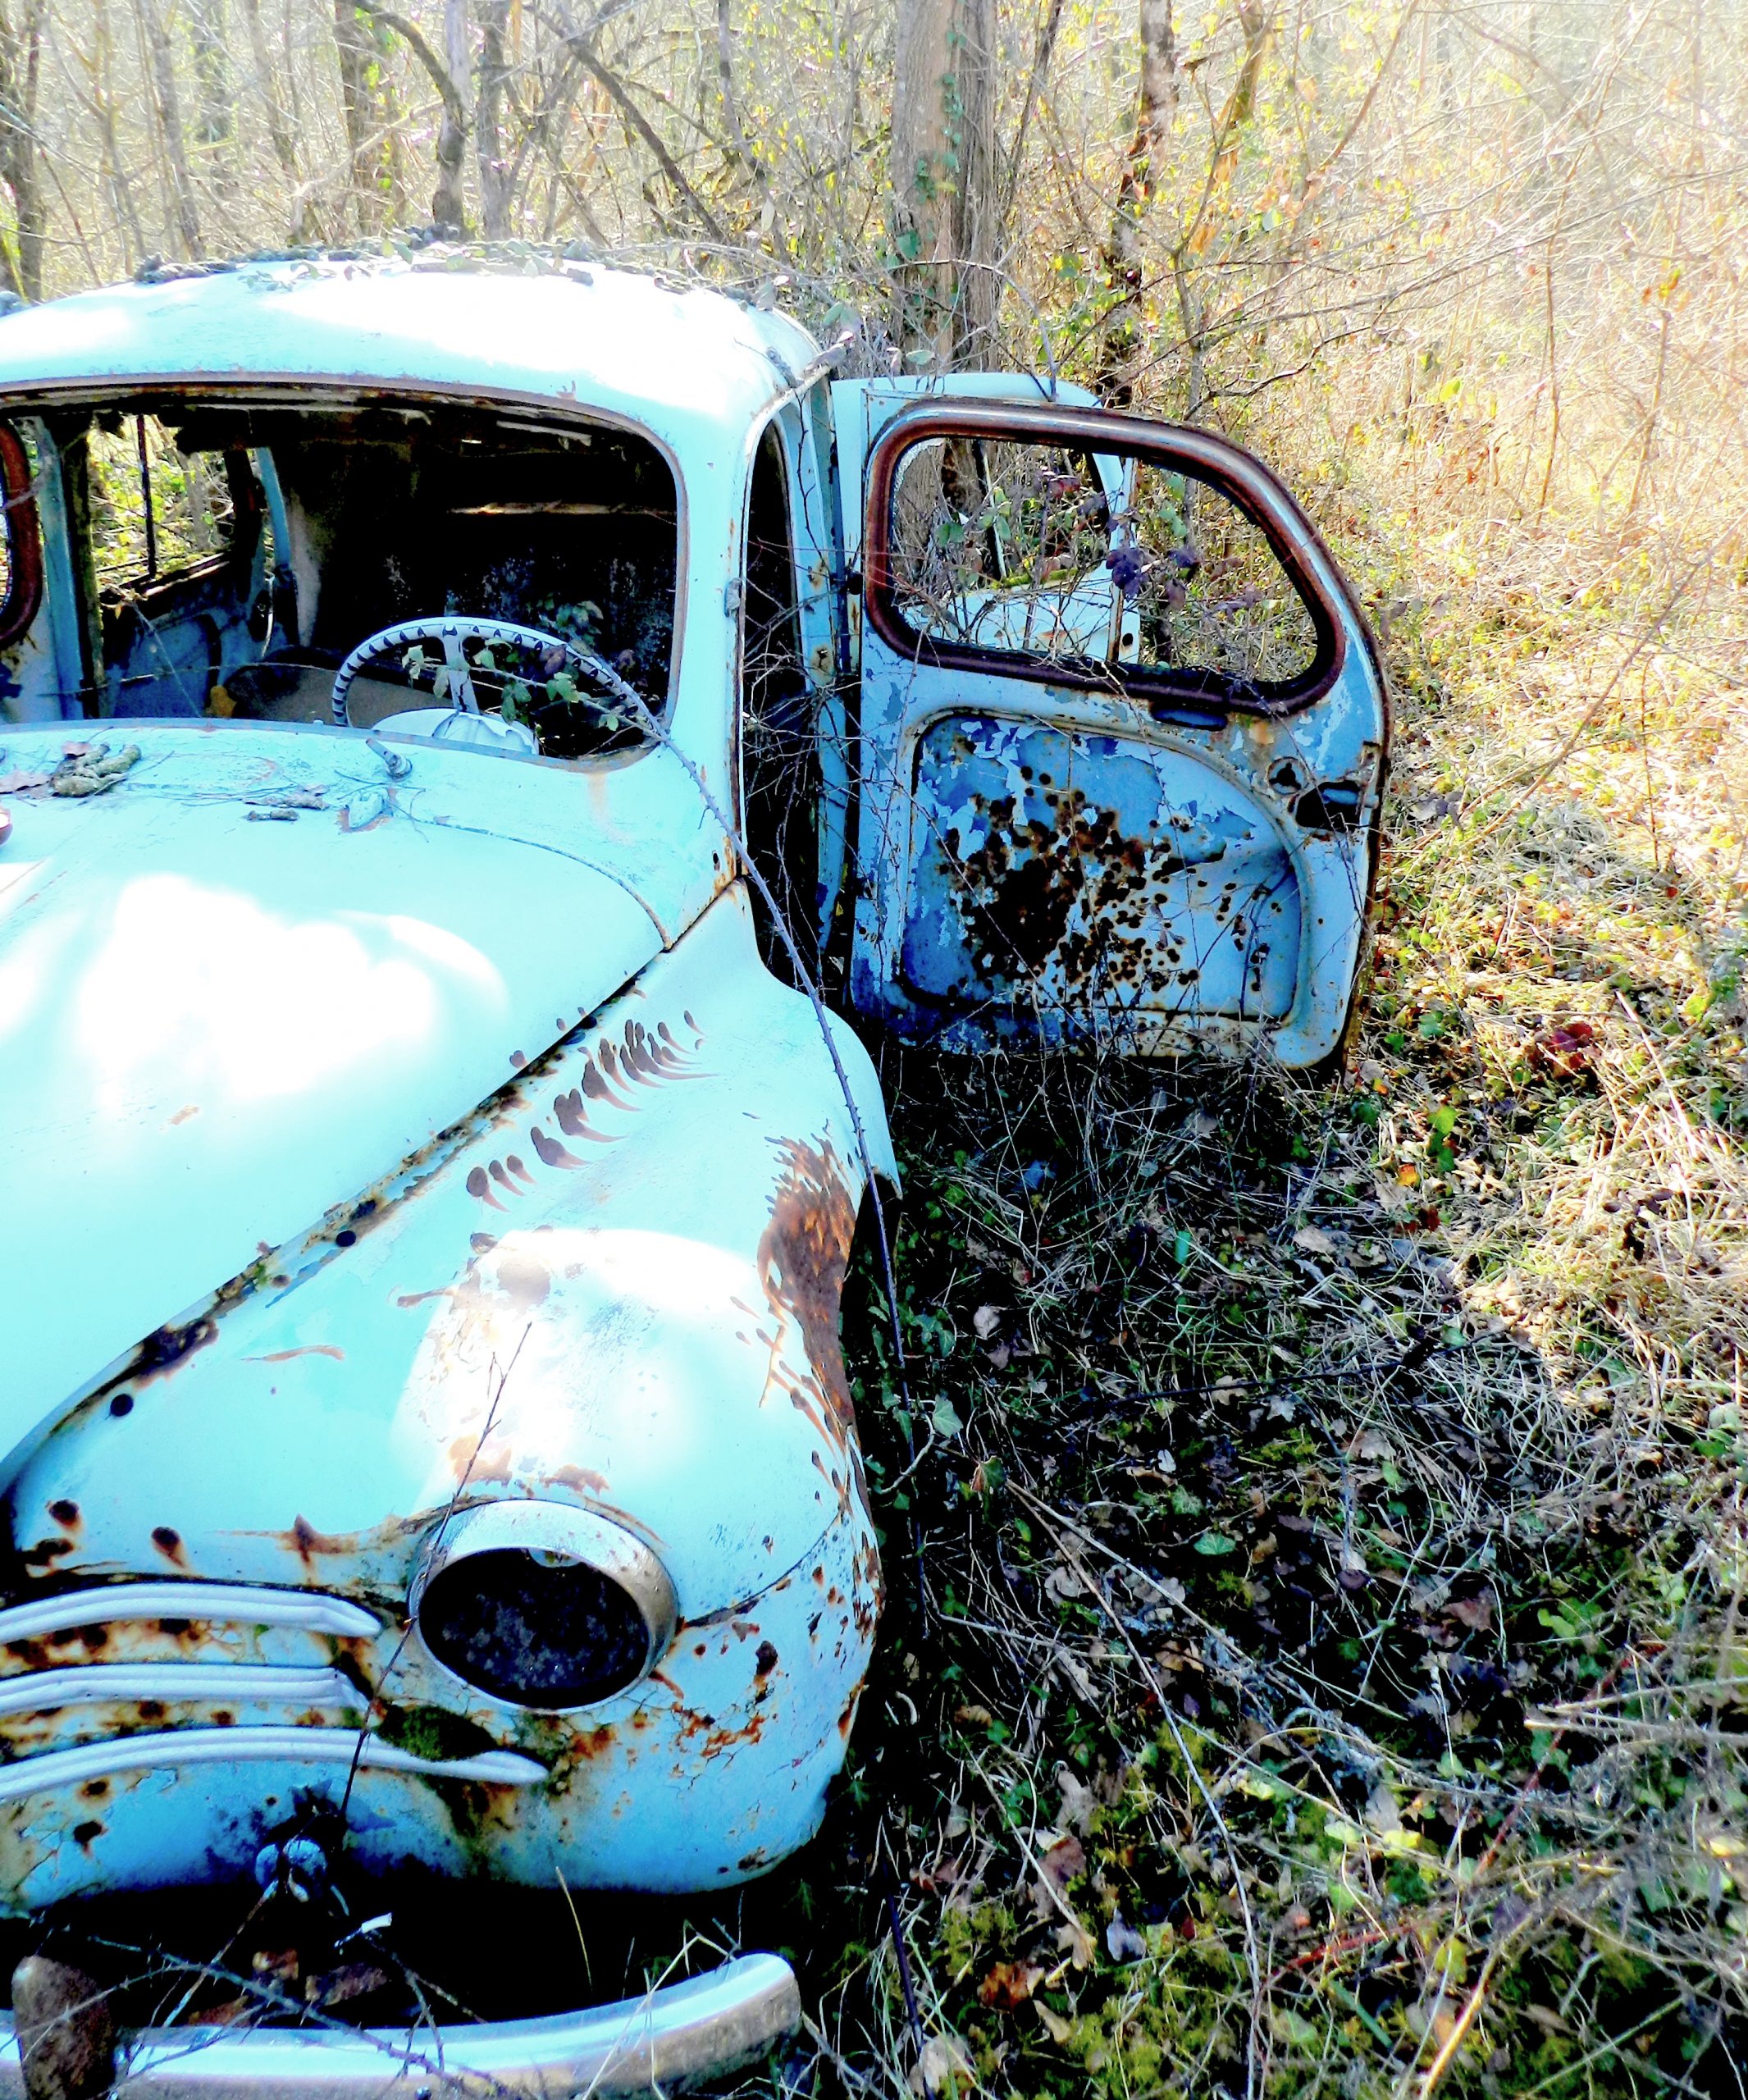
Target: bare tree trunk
(943, 176)
(1258, 24)
(976, 233)
(1123, 338)
(490, 160)
(102, 68)
(20, 73)
(279, 126)
(448, 204)
(352, 47)
(215, 126)
(449, 76)
(169, 108)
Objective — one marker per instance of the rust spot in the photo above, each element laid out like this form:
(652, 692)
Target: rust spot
(568, 1113)
(169, 1543)
(305, 1541)
(478, 1186)
(579, 1479)
(85, 1834)
(517, 1060)
(477, 1462)
(309, 1348)
(803, 1253)
(94, 1790)
(549, 1151)
(182, 1115)
(168, 1346)
(46, 1552)
(65, 1512)
(150, 1709)
(765, 1661)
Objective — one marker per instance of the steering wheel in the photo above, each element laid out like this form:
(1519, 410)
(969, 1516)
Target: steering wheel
(450, 630)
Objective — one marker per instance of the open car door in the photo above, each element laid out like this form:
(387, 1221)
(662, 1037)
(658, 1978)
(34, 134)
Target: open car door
(1121, 740)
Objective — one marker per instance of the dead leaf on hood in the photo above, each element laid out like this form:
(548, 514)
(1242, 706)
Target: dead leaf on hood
(1073, 1939)
(1064, 1581)
(985, 1321)
(1313, 1240)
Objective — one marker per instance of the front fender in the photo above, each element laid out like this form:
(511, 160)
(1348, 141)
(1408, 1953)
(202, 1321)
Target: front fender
(616, 1286)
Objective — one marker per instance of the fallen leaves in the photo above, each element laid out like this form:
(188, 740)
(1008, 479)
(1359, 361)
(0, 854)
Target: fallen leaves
(92, 768)
(1565, 1053)
(1009, 1984)
(1064, 1862)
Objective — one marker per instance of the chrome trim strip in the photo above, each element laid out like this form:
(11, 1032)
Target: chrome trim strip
(670, 2039)
(286, 1746)
(39, 1691)
(240, 1603)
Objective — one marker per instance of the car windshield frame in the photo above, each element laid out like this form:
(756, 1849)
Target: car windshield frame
(146, 392)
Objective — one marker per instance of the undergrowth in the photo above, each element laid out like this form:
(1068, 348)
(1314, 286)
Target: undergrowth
(1314, 1659)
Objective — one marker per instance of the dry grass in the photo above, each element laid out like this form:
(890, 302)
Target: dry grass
(1331, 1498)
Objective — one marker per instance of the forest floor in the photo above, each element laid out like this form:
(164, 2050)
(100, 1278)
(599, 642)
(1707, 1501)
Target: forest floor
(1329, 1498)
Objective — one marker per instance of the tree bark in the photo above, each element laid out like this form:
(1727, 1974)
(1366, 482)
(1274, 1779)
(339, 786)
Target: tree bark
(215, 121)
(279, 127)
(168, 105)
(1122, 342)
(100, 65)
(448, 204)
(944, 228)
(450, 79)
(490, 160)
(21, 72)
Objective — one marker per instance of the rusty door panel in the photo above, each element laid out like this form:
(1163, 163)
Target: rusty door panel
(1057, 867)
(1162, 841)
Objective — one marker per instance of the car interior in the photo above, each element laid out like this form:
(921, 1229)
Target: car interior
(233, 552)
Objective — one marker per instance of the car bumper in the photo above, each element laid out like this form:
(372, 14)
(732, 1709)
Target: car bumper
(668, 2039)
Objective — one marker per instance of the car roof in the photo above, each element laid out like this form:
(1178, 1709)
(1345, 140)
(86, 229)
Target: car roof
(685, 362)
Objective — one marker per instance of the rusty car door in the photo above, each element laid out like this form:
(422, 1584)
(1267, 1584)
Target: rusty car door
(1122, 735)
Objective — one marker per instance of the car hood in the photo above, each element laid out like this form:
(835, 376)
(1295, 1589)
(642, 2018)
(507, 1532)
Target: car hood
(263, 970)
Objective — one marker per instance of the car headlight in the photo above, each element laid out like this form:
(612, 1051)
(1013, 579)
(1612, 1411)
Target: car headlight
(542, 1606)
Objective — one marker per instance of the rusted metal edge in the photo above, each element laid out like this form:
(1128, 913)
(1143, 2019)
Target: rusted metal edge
(24, 540)
(1258, 491)
(671, 2038)
(176, 1749)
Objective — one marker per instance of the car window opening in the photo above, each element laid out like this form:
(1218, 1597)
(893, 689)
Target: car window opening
(234, 553)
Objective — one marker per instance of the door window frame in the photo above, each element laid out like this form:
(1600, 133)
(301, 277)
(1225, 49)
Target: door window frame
(1258, 494)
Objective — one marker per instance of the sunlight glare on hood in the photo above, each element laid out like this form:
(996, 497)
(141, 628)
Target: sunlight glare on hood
(205, 986)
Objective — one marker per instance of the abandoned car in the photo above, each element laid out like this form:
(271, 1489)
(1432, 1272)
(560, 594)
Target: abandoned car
(470, 740)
